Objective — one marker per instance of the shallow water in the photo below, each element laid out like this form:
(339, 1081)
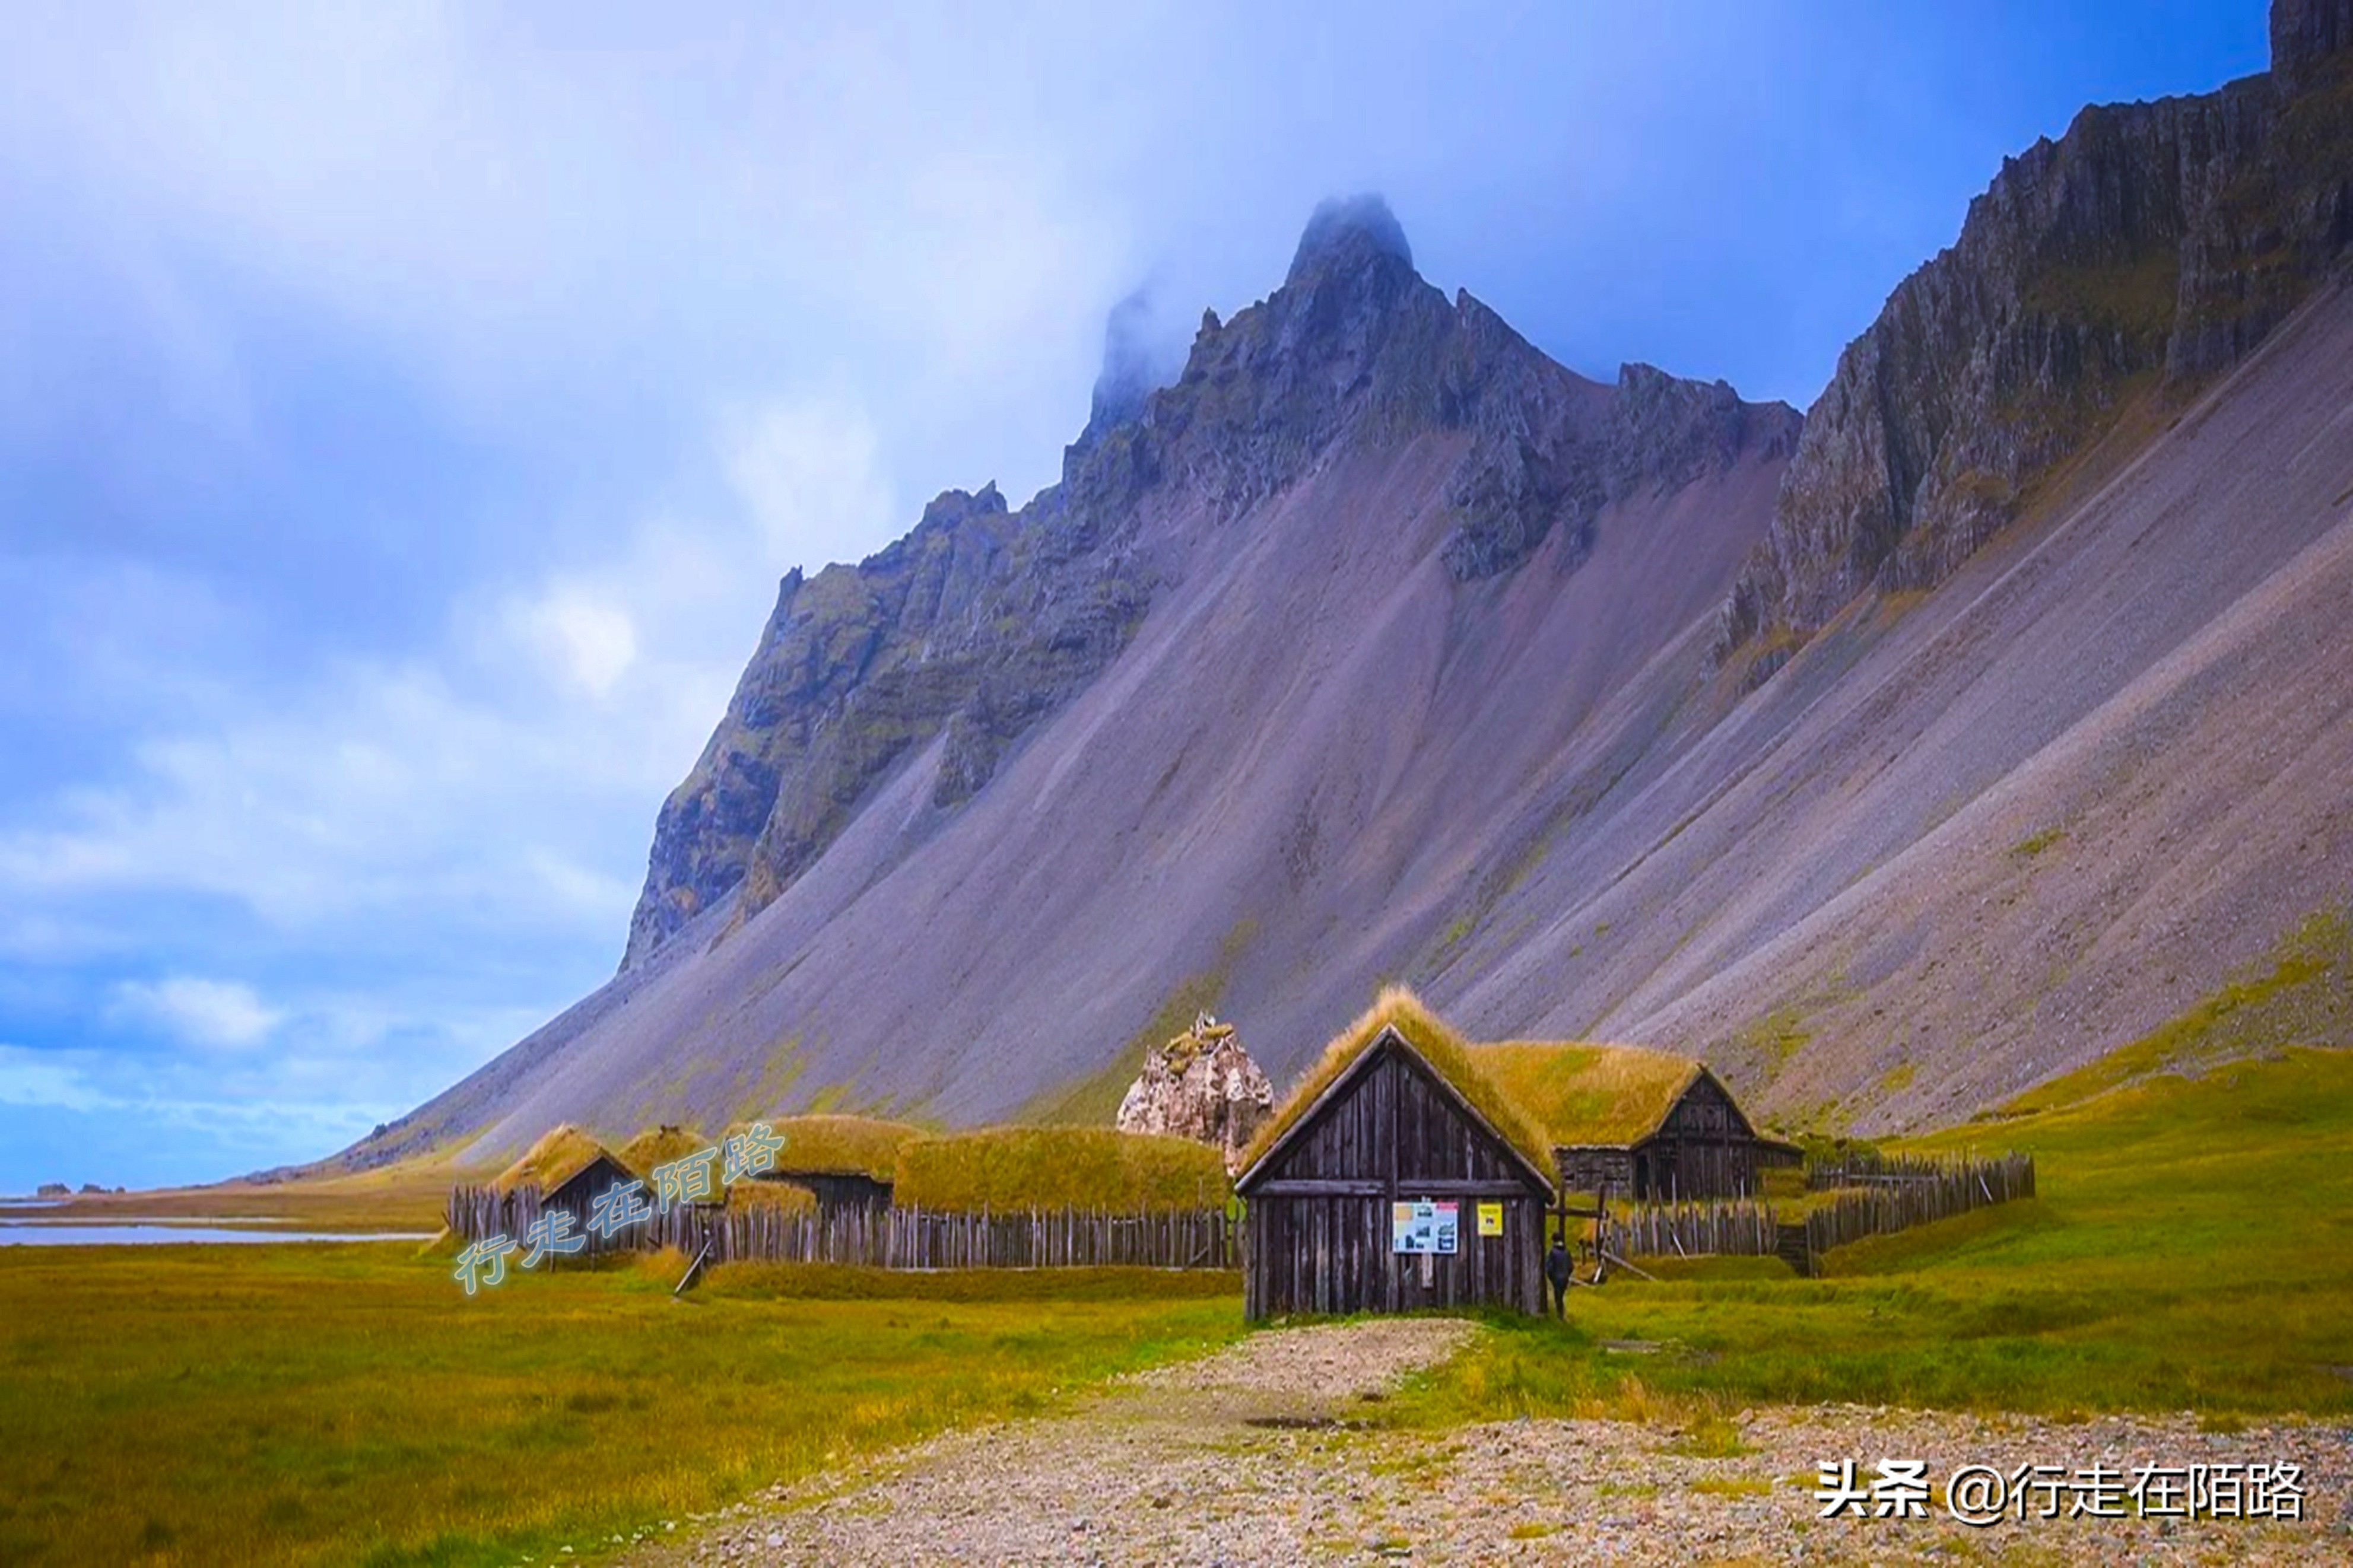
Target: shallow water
(63, 1233)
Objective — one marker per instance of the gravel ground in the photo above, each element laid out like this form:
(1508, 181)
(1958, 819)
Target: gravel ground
(1266, 1452)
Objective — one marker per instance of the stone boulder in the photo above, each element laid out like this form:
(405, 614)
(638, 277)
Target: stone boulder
(1201, 1085)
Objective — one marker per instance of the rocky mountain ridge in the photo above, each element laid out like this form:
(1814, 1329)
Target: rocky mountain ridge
(1376, 646)
(2149, 249)
(983, 620)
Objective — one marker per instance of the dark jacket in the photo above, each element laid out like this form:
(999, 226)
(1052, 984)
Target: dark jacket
(1557, 1264)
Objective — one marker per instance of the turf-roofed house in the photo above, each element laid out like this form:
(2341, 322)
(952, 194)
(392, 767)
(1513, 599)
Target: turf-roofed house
(843, 1162)
(571, 1170)
(1411, 1169)
(1397, 1176)
(1625, 1121)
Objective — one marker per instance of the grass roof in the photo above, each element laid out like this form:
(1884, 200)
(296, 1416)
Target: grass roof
(837, 1145)
(1583, 1093)
(561, 1154)
(1448, 1056)
(1011, 1168)
(752, 1193)
(657, 1146)
(661, 1145)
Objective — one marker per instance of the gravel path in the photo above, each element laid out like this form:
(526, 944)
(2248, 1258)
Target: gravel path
(1267, 1453)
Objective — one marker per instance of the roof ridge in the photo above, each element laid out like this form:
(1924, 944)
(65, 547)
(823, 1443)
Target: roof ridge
(1446, 1053)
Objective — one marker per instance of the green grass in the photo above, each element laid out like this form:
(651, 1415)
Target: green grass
(865, 1145)
(2034, 844)
(2301, 993)
(348, 1403)
(1008, 1169)
(2191, 1248)
(1776, 1037)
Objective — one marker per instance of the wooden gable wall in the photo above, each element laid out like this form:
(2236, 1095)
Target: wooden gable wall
(1319, 1230)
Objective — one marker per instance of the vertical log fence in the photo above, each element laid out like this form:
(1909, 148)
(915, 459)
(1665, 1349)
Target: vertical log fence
(1868, 1195)
(1897, 1196)
(889, 1237)
(1734, 1228)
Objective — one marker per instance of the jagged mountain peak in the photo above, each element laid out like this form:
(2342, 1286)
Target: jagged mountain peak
(950, 505)
(1345, 231)
(935, 656)
(1376, 645)
(1135, 363)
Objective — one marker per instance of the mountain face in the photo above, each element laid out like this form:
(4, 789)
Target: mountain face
(1891, 759)
(2148, 250)
(983, 621)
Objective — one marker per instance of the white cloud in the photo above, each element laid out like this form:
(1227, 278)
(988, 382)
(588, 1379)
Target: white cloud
(583, 636)
(809, 474)
(239, 1118)
(382, 790)
(217, 1015)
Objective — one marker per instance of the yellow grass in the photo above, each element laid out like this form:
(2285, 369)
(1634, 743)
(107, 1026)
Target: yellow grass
(1447, 1053)
(1583, 1093)
(1010, 1168)
(287, 1405)
(660, 1145)
(559, 1153)
(837, 1145)
(750, 1194)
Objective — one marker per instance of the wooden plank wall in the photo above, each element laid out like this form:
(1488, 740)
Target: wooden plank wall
(1320, 1234)
(1703, 1150)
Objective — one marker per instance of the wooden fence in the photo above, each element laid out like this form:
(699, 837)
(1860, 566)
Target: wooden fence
(1874, 1196)
(1915, 1193)
(1865, 1168)
(890, 1237)
(1739, 1229)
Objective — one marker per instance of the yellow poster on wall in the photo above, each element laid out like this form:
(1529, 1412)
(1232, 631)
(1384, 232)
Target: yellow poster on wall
(1490, 1219)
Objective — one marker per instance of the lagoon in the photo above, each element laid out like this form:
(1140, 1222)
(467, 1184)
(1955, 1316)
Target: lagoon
(146, 1232)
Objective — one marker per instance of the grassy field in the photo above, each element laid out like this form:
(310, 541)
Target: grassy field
(2191, 1248)
(301, 1403)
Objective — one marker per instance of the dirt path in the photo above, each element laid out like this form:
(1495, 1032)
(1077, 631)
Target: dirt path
(1264, 1453)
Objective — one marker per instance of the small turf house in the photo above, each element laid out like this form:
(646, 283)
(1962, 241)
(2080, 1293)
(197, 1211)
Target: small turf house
(571, 1170)
(842, 1161)
(1645, 1124)
(1411, 1169)
(1396, 1177)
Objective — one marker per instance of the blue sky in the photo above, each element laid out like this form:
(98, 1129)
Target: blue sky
(406, 411)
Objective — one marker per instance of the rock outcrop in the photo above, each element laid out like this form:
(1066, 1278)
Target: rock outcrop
(2153, 245)
(1201, 1085)
(946, 648)
(1128, 375)
(2306, 35)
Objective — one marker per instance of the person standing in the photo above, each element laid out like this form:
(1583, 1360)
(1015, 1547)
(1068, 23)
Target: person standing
(1556, 1268)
